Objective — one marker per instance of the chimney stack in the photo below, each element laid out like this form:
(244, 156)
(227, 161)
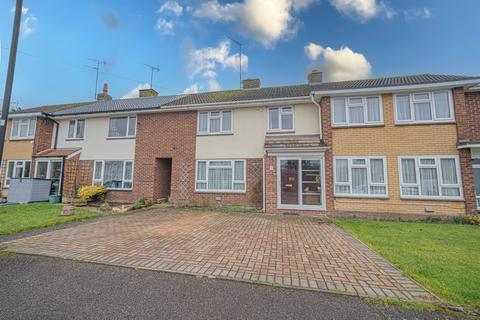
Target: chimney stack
(104, 95)
(147, 93)
(251, 84)
(315, 77)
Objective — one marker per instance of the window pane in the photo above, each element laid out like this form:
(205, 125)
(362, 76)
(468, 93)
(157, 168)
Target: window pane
(442, 106)
(449, 171)
(42, 167)
(132, 123)
(15, 128)
(203, 122)
(287, 121)
(24, 128)
(356, 115)
(273, 123)
(118, 127)
(429, 182)
(128, 170)
(341, 170)
(408, 171)
(410, 191)
(201, 185)
(373, 109)
(80, 129)
(359, 162)
(220, 163)
(423, 111)
(214, 124)
(227, 121)
(427, 161)
(339, 111)
(421, 96)
(113, 174)
(359, 181)
(11, 166)
(476, 175)
(376, 170)
(26, 171)
(450, 191)
(378, 190)
(403, 108)
(342, 189)
(220, 178)
(239, 174)
(201, 170)
(98, 170)
(127, 185)
(71, 128)
(239, 186)
(355, 101)
(31, 129)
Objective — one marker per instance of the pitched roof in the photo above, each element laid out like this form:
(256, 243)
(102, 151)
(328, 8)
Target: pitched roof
(249, 95)
(50, 108)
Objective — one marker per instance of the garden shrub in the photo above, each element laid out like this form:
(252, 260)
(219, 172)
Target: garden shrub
(142, 203)
(473, 220)
(91, 193)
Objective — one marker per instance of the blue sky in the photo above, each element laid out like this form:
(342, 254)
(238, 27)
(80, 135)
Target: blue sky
(282, 40)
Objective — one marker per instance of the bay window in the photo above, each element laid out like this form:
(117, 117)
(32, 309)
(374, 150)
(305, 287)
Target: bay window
(357, 111)
(436, 177)
(220, 175)
(424, 107)
(23, 129)
(76, 129)
(215, 122)
(280, 119)
(360, 176)
(17, 169)
(122, 127)
(113, 174)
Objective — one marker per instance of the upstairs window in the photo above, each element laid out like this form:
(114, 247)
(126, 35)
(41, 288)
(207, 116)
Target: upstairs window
(114, 175)
(215, 122)
(23, 129)
(360, 176)
(280, 119)
(424, 107)
(357, 111)
(122, 127)
(76, 129)
(436, 177)
(17, 169)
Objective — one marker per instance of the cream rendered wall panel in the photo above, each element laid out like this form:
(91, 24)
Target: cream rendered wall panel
(249, 130)
(95, 145)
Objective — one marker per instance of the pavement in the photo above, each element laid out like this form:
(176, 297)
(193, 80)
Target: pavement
(289, 251)
(34, 287)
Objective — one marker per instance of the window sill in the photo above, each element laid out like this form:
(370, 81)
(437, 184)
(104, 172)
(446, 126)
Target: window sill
(411, 123)
(215, 134)
(359, 196)
(368, 125)
(118, 189)
(74, 139)
(420, 198)
(22, 138)
(121, 138)
(280, 131)
(221, 191)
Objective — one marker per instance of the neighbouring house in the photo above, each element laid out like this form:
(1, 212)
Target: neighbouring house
(405, 145)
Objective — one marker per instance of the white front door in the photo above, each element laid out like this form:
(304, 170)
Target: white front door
(300, 183)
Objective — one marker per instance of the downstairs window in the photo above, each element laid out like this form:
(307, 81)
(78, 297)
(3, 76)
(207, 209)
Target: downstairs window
(114, 175)
(220, 175)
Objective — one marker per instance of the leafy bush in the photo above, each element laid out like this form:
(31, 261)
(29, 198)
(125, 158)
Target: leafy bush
(90, 193)
(142, 203)
(431, 219)
(473, 220)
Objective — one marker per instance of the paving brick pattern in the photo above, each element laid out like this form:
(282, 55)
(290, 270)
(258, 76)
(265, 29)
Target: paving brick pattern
(292, 251)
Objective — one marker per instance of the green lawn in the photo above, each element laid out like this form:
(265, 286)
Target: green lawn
(21, 217)
(445, 258)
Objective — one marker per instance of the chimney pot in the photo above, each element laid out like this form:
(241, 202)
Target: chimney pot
(315, 77)
(251, 83)
(105, 88)
(147, 93)
(104, 95)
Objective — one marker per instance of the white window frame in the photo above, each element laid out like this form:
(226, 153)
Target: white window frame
(431, 100)
(128, 127)
(6, 183)
(16, 135)
(367, 165)
(437, 166)
(49, 162)
(348, 105)
(476, 166)
(209, 116)
(100, 181)
(76, 128)
(280, 112)
(232, 166)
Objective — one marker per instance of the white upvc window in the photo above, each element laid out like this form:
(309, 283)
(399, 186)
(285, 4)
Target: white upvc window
(113, 174)
(122, 127)
(23, 128)
(220, 176)
(476, 177)
(424, 107)
(17, 169)
(280, 119)
(357, 111)
(76, 129)
(215, 122)
(430, 177)
(361, 177)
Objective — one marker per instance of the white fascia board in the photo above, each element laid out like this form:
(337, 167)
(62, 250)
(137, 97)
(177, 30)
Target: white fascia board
(396, 89)
(25, 115)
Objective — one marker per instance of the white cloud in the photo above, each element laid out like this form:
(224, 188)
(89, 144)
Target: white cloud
(209, 74)
(343, 64)
(171, 7)
(134, 92)
(165, 27)
(213, 85)
(194, 88)
(24, 10)
(363, 10)
(28, 25)
(313, 51)
(417, 13)
(265, 21)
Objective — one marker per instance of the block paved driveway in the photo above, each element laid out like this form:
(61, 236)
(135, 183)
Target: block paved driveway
(291, 251)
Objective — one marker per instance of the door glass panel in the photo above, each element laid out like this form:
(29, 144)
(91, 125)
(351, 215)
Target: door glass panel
(42, 167)
(289, 182)
(311, 182)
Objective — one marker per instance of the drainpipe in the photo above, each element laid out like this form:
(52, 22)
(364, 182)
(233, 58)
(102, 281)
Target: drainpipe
(57, 126)
(264, 205)
(312, 97)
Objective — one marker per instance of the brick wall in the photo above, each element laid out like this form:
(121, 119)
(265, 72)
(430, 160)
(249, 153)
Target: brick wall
(70, 181)
(43, 135)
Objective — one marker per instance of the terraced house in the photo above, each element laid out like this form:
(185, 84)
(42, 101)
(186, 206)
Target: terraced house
(406, 145)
